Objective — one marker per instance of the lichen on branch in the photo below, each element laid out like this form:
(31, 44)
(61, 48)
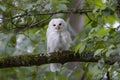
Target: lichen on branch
(56, 57)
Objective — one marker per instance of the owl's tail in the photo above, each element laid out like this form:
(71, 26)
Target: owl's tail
(55, 67)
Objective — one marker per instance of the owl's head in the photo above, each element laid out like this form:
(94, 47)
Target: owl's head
(57, 24)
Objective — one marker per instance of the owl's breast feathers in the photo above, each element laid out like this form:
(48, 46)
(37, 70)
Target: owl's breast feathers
(59, 40)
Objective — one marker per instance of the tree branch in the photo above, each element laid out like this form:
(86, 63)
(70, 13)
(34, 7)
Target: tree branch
(77, 11)
(56, 57)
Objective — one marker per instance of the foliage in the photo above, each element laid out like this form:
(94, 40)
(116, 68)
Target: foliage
(23, 31)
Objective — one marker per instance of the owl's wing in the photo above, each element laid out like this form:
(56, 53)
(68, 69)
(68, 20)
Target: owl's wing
(48, 40)
(67, 39)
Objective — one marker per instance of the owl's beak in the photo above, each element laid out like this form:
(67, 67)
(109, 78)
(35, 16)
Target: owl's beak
(57, 27)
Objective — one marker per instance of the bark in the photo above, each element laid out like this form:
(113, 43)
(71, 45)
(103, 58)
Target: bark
(76, 20)
(56, 57)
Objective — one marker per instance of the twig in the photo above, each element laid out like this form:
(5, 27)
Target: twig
(88, 17)
(108, 75)
(35, 23)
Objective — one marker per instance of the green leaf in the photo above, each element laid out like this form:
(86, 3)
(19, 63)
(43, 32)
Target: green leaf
(77, 48)
(97, 52)
(112, 46)
(82, 47)
(3, 8)
(102, 31)
(101, 63)
(107, 11)
(48, 6)
(62, 7)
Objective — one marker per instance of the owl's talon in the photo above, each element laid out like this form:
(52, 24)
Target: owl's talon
(48, 54)
(40, 54)
(60, 51)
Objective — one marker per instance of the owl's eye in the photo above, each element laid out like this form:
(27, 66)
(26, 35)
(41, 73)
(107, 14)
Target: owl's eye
(60, 24)
(54, 25)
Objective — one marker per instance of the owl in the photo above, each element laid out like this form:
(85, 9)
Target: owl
(58, 39)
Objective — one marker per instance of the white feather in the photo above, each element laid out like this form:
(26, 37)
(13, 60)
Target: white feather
(57, 39)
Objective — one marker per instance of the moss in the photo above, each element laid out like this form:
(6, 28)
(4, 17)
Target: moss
(56, 57)
(2, 60)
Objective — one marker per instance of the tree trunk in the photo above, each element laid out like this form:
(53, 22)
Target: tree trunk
(76, 21)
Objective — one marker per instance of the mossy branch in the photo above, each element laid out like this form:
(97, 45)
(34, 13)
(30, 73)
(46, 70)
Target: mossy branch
(56, 57)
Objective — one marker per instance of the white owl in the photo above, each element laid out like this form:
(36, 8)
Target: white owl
(58, 39)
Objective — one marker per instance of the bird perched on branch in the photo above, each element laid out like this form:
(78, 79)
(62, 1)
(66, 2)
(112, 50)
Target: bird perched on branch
(58, 39)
